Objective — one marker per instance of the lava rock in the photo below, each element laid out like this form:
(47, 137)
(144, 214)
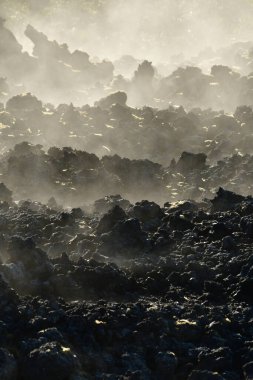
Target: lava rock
(166, 364)
(207, 375)
(50, 361)
(8, 365)
(108, 221)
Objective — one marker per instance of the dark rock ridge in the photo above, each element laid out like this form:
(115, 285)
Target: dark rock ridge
(75, 177)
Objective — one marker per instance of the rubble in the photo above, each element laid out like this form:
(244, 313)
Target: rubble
(178, 309)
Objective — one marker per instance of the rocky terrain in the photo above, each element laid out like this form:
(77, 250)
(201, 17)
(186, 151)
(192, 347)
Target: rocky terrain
(126, 224)
(127, 291)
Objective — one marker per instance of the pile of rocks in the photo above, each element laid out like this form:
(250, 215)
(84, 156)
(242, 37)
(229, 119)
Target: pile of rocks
(142, 292)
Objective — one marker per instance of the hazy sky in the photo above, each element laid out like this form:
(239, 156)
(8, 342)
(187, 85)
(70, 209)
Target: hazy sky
(154, 29)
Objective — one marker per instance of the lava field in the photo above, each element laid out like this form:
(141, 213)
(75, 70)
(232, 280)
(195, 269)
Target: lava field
(126, 214)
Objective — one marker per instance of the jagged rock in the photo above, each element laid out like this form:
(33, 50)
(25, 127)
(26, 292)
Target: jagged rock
(103, 205)
(200, 375)
(108, 221)
(225, 200)
(146, 211)
(116, 98)
(5, 193)
(8, 365)
(190, 161)
(51, 361)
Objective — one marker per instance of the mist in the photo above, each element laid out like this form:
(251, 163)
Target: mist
(138, 80)
(145, 29)
(126, 189)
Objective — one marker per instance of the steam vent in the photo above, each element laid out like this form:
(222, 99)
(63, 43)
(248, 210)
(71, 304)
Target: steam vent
(126, 190)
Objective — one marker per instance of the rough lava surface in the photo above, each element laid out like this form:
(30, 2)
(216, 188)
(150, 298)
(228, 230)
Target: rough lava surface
(126, 224)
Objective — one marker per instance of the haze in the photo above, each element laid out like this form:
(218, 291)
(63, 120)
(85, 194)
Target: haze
(153, 30)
